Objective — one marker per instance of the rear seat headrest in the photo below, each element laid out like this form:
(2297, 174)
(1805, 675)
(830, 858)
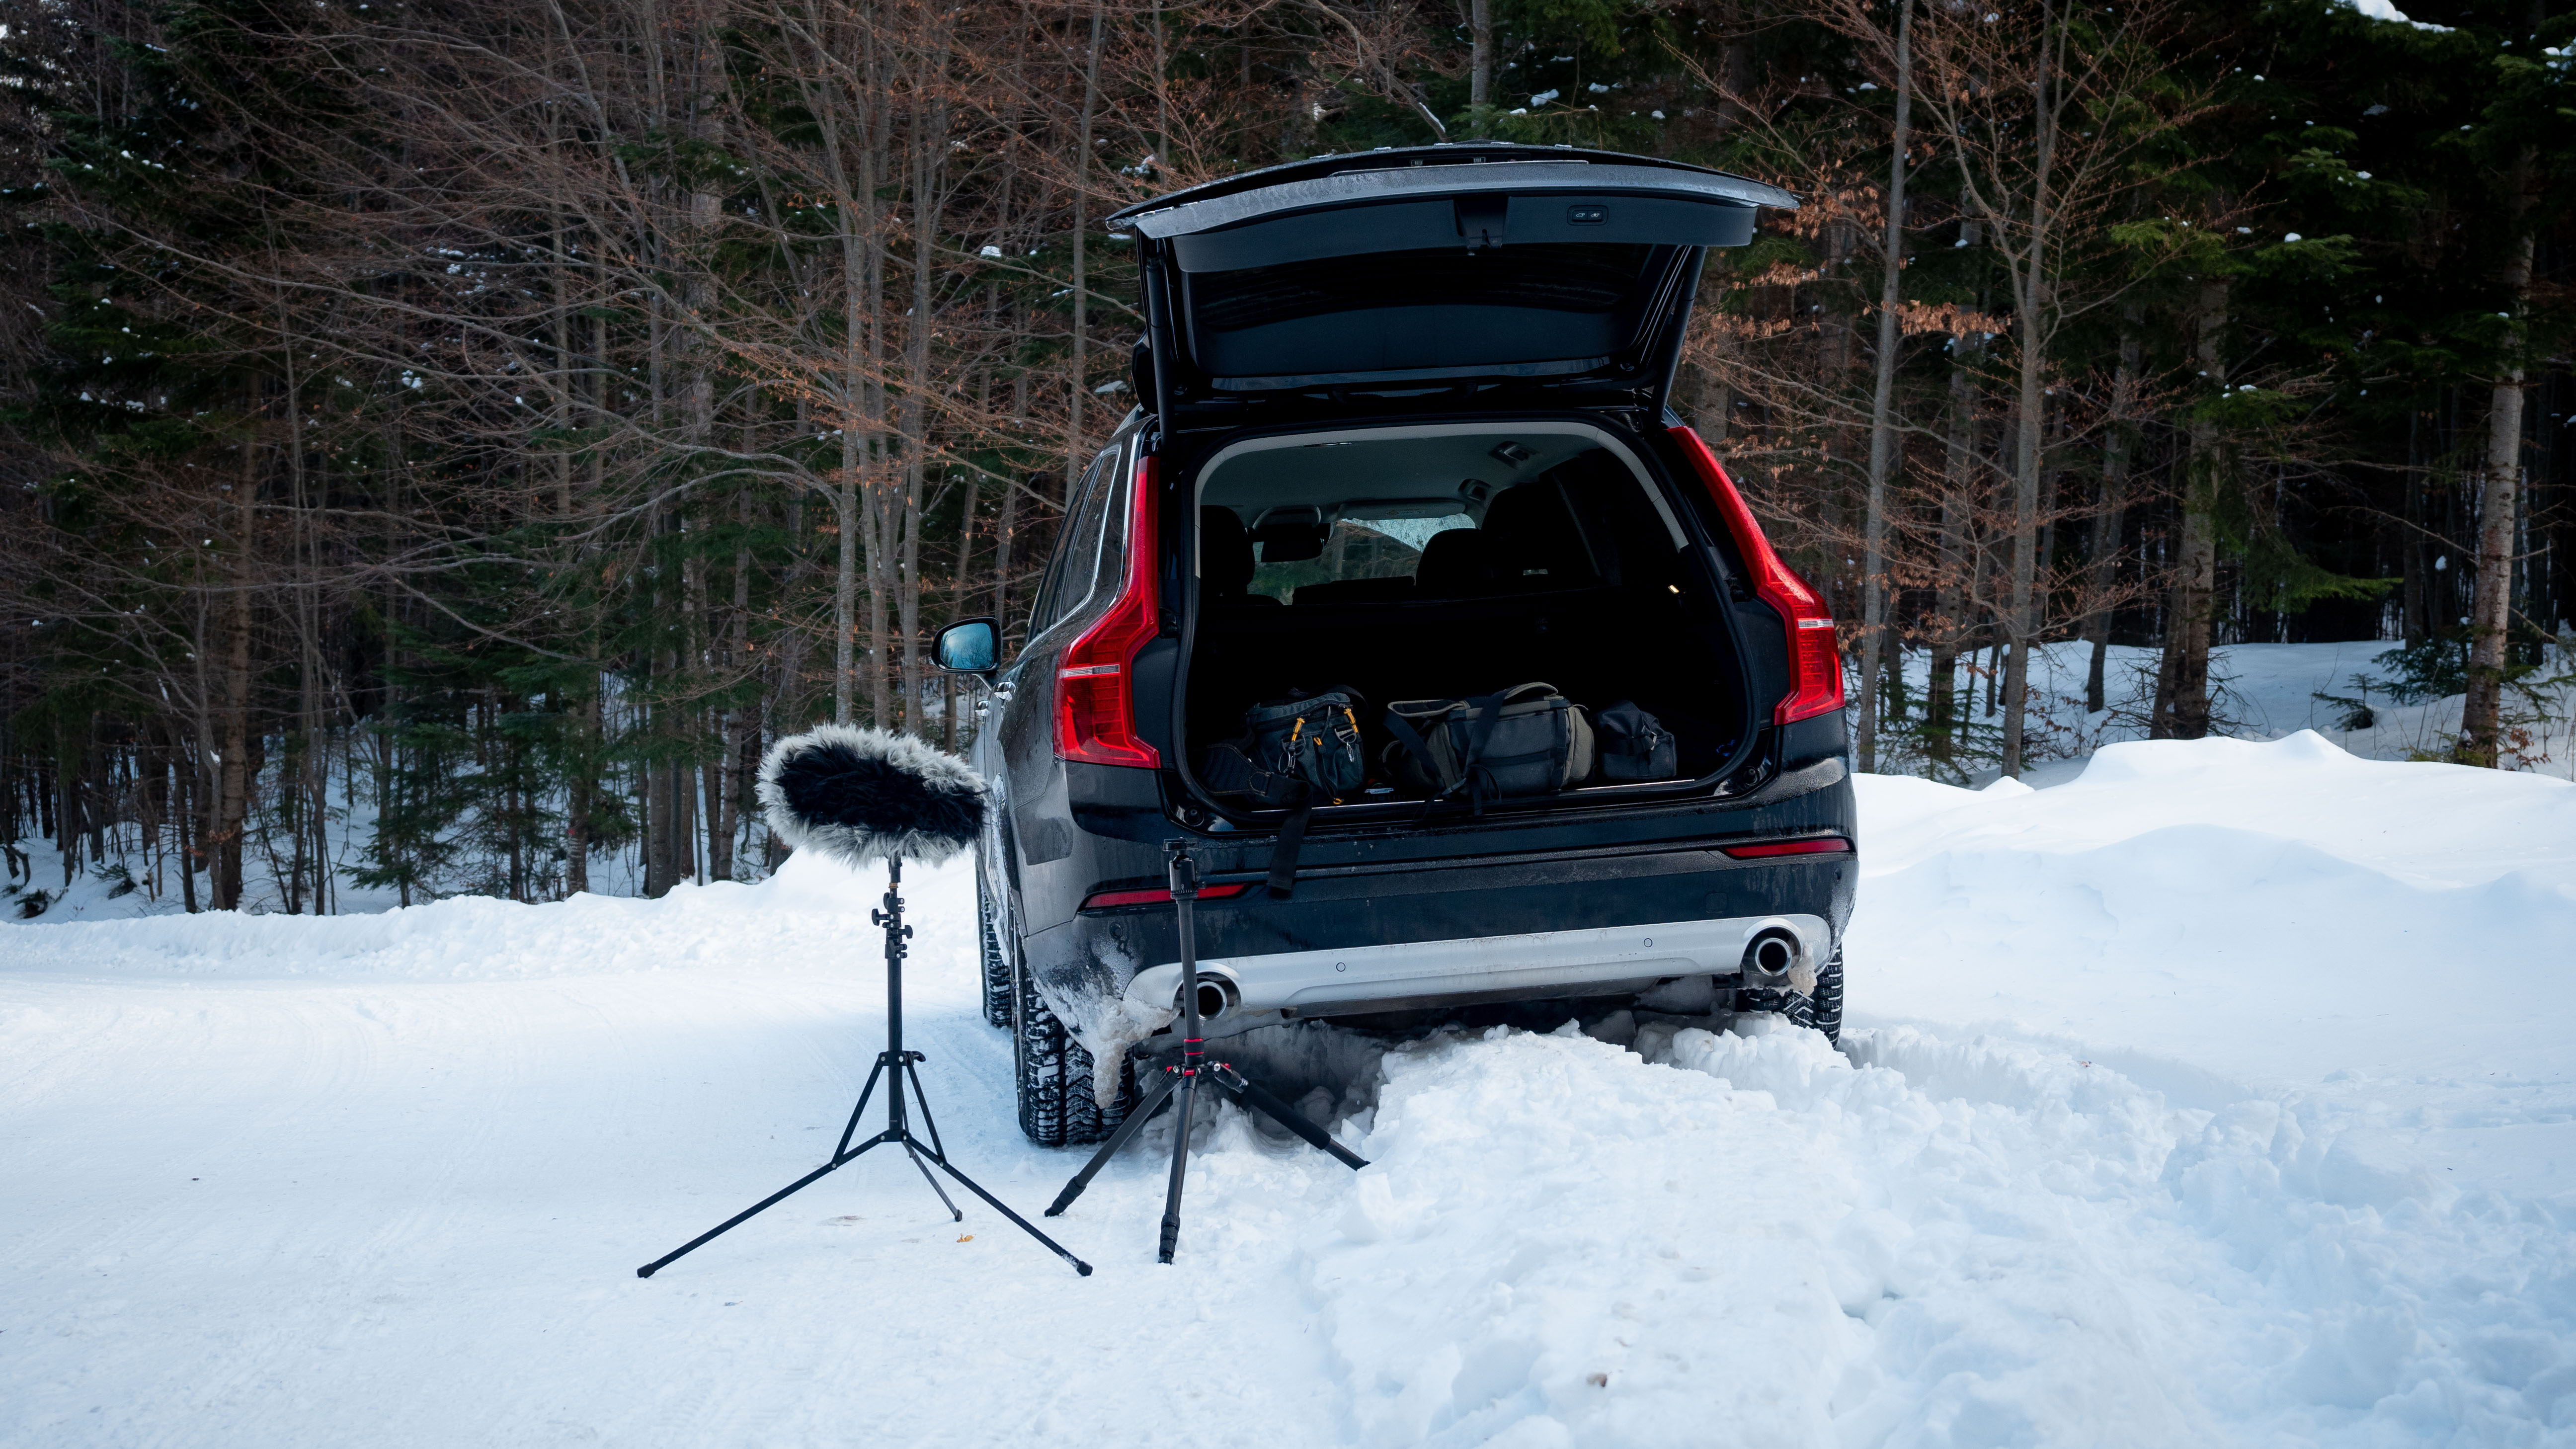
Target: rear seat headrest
(1532, 539)
(1225, 561)
(1455, 563)
(1225, 553)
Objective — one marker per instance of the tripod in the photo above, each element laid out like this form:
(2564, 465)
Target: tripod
(895, 1066)
(1184, 1076)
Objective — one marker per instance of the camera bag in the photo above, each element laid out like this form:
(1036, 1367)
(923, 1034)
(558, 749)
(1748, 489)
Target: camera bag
(1304, 747)
(1633, 745)
(1525, 740)
(1296, 752)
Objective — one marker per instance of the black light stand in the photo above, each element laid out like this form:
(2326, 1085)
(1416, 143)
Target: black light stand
(895, 1065)
(1184, 1077)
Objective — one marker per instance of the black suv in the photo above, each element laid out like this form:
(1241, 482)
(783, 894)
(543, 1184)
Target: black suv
(1404, 432)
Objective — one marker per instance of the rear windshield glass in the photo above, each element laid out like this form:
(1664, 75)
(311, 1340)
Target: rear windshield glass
(1543, 307)
(1358, 548)
(1435, 515)
(1553, 276)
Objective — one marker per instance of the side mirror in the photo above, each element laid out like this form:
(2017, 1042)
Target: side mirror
(970, 646)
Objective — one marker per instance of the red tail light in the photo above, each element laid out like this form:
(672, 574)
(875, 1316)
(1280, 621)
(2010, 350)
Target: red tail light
(1103, 900)
(1095, 680)
(1829, 845)
(1815, 662)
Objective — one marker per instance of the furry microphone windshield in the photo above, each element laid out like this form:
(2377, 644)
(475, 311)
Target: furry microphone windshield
(866, 795)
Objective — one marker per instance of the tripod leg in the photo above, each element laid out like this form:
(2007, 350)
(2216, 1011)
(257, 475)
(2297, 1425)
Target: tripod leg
(1145, 1109)
(1025, 1225)
(1180, 1170)
(954, 1215)
(918, 1095)
(864, 1093)
(738, 1219)
(1251, 1094)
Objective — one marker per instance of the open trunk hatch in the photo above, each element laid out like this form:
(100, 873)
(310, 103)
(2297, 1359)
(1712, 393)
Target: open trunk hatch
(1496, 275)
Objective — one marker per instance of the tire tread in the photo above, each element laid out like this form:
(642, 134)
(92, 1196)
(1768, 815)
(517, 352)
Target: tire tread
(1057, 1107)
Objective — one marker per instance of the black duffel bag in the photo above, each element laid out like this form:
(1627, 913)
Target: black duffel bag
(1633, 745)
(1526, 740)
(1304, 749)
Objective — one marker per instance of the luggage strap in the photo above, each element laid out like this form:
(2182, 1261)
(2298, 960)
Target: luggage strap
(1414, 744)
(1300, 796)
(1292, 837)
(1486, 711)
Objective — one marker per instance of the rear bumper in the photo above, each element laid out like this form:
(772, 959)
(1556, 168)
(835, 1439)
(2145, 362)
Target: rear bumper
(1397, 935)
(1533, 965)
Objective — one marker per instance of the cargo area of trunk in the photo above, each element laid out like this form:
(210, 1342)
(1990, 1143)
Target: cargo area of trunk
(1451, 561)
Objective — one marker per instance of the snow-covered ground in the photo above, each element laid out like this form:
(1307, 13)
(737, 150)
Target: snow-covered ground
(2221, 1095)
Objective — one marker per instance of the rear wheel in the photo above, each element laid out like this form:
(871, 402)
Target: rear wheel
(1822, 1011)
(1055, 1073)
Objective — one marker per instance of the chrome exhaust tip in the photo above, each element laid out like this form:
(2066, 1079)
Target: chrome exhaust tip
(1772, 954)
(1217, 996)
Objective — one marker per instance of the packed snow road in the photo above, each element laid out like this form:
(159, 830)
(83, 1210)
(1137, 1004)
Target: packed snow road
(2219, 1096)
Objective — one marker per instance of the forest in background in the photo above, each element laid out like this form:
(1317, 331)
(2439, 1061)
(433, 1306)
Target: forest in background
(445, 441)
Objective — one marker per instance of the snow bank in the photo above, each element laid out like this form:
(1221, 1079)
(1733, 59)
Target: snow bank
(2269, 914)
(813, 910)
(1920, 1241)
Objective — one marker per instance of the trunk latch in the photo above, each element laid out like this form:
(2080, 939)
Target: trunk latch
(1480, 219)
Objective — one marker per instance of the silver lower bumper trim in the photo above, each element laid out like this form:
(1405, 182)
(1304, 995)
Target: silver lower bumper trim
(1541, 962)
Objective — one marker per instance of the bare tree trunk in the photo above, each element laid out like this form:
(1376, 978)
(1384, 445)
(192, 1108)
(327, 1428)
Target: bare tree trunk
(1882, 408)
(577, 805)
(845, 589)
(852, 167)
(656, 826)
(739, 720)
(233, 776)
(877, 501)
(2491, 603)
(1952, 598)
(1006, 527)
(2182, 685)
(1480, 68)
(1840, 438)
(929, 169)
(2032, 287)
(1162, 94)
(182, 816)
(2416, 602)
(957, 605)
(1735, 71)
(68, 762)
(1077, 391)
(2118, 442)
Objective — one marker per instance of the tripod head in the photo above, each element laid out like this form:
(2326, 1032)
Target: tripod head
(890, 915)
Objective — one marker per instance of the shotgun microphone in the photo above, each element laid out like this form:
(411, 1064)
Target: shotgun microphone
(860, 796)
